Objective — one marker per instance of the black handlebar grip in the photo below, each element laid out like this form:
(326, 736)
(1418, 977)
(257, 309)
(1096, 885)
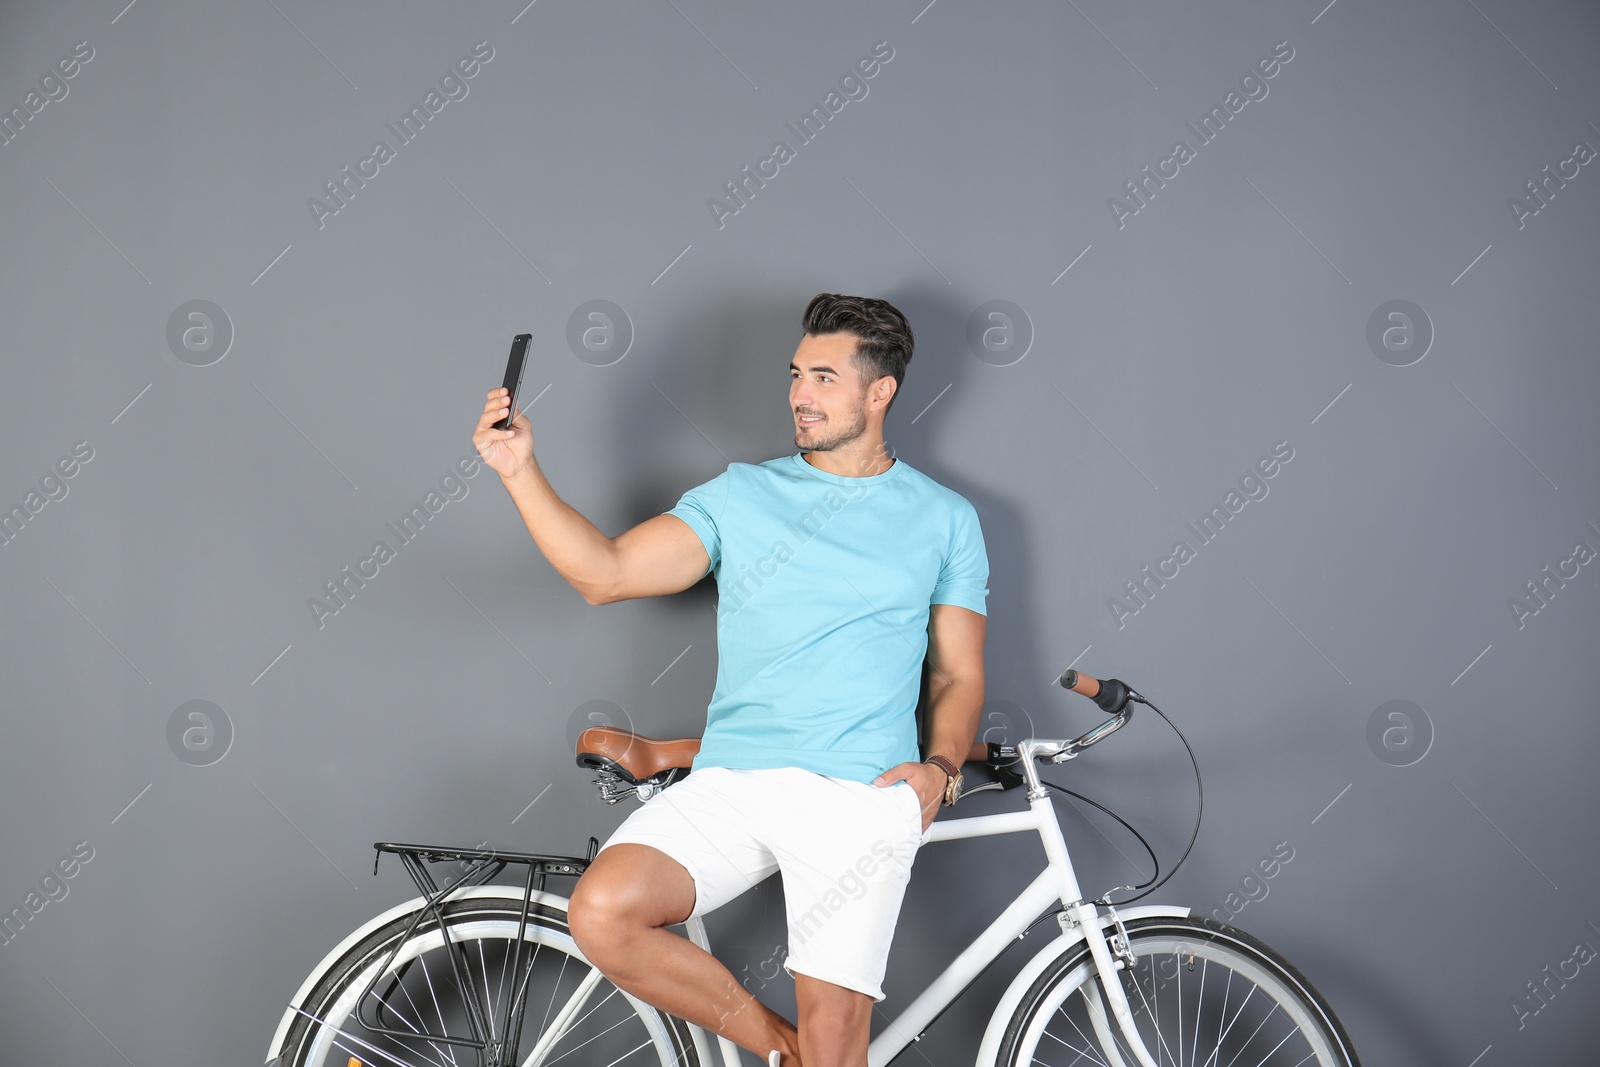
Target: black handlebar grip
(1113, 696)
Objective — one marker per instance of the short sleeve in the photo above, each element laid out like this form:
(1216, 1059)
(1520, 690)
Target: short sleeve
(964, 577)
(702, 507)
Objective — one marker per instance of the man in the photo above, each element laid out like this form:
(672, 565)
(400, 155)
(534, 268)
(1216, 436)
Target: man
(839, 570)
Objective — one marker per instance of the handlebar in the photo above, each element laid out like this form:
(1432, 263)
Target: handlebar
(1011, 765)
(1112, 695)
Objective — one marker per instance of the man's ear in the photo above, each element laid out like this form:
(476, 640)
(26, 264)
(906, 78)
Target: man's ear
(883, 390)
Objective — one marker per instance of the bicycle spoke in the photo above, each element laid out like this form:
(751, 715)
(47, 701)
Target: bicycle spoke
(554, 989)
(1229, 1028)
(488, 1001)
(597, 1007)
(1085, 1038)
(427, 976)
(1227, 993)
(1222, 1013)
(353, 1055)
(447, 1052)
(1179, 960)
(1082, 1052)
(505, 961)
(520, 992)
(598, 1036)
(625, 1055)
(1194, 1047)
(1154, 1004)
(564, 1018)
(414, 1029)
(1155, 1023)
(347, 1035)
(1253, 1033)
(1274, 1048)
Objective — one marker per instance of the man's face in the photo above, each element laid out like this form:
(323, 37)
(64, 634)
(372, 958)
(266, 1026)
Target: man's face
(827, 393)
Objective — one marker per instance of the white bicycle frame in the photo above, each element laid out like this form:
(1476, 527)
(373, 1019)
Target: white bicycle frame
(1056, 885)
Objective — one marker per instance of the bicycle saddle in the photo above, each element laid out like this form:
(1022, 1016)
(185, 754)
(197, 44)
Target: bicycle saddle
(634, 756)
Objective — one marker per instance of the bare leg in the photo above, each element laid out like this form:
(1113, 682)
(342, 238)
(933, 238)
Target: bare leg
(835, 1023)
(618, 912)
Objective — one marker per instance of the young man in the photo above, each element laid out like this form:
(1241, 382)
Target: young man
(839, 570)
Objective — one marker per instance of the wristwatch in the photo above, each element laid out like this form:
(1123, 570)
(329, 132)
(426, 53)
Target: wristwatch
(952, 788)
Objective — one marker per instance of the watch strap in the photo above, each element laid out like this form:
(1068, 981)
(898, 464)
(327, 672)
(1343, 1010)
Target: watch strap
(952, 788)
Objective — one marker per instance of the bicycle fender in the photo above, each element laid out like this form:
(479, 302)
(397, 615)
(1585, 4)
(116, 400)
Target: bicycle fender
(989, 1049)
(398, 911)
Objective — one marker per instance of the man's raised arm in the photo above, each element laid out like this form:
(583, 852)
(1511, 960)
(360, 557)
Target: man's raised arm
(660, 555)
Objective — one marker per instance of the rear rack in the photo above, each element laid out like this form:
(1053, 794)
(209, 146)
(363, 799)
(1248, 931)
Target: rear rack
(493, 861)
(482, 866)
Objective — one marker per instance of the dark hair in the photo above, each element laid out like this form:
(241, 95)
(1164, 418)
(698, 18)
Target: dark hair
(883, 336)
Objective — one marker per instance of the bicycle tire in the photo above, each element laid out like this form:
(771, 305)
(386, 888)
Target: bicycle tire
(1293, 1025)
(418, 990)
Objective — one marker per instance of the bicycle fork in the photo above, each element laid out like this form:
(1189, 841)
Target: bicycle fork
(1086, 917)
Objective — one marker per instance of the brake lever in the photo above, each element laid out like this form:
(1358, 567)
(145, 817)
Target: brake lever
(985, 787)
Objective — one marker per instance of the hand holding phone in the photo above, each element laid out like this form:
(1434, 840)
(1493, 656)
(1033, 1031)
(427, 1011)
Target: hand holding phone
(513, 382)
(505, 447)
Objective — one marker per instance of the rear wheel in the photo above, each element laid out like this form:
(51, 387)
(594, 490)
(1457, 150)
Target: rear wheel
(538, 1010)
(1202, 995)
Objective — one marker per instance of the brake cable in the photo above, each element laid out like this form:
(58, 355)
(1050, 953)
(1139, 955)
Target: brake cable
(1152, 884)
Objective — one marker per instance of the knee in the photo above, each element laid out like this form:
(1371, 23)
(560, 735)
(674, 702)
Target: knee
(834, 1026)
(626, 893)
(607, 914)
(596, 916)
(835, 1020)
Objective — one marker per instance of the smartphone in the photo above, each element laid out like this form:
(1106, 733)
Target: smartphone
(513, 382)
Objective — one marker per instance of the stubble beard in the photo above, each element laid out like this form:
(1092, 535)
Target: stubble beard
(839, 439)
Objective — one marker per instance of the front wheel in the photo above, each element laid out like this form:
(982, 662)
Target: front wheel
(1201, 993)
(464, 994)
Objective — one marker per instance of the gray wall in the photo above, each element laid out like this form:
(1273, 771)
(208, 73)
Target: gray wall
(1441, 860)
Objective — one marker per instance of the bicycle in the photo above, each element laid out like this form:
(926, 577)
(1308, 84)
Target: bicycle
(490, 972)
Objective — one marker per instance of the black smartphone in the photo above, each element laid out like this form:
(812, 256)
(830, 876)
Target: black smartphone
(513, 382)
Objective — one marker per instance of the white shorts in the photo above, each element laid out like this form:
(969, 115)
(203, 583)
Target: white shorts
(844, 849)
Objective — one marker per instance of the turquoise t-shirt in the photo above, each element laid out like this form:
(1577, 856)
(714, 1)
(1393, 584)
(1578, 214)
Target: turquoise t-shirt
(825, 584)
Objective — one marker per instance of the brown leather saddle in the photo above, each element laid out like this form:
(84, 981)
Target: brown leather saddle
(633, 757)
